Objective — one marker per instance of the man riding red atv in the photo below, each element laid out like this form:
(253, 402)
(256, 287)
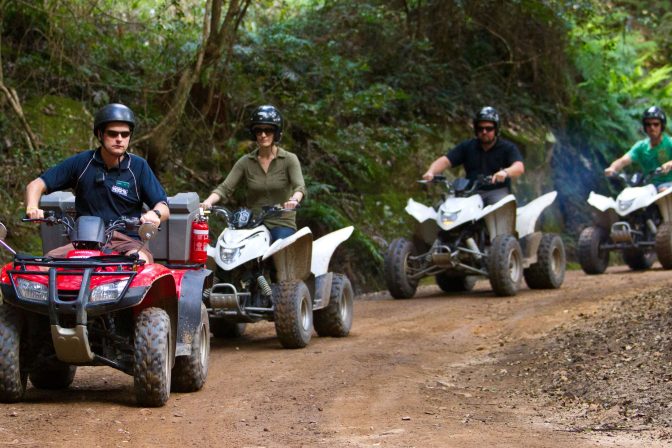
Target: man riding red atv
(100, 299)
(96, 307)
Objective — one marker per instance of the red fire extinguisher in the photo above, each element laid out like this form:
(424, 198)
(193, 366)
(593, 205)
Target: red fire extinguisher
(199, 239)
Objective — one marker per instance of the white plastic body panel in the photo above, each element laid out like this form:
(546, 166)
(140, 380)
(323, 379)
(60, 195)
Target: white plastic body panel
(527, 216)
(324, 247)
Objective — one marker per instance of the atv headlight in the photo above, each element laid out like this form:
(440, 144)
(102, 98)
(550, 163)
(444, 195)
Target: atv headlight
(229, 254)
(447, 217)
(625, 204)
(108, 292)
(32, 290)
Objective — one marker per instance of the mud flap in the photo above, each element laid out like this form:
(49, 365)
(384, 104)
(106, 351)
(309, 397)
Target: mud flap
(322, 290)
(529, 244)
(189, 309)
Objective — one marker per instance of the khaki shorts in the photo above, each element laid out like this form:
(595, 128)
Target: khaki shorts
(121, 243)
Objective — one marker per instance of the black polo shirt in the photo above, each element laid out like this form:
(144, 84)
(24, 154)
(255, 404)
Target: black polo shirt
(477, 162)
(107, 193)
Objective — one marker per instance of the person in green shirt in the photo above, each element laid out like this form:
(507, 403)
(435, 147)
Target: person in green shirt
(271, 174)
(652, 152)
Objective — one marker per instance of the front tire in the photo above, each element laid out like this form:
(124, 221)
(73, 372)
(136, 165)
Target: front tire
(12, 377)
(293, 314)
(335, 319)
(190, 372)
(549, 270)
(505, 265)
(664, 245)
(592, 259)
(152, 357)
(396, 269)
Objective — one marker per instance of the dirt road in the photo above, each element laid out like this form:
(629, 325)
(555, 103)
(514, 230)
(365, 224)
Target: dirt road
(425, 372)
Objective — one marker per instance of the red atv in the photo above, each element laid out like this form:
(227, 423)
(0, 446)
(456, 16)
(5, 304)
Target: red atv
(100, 308)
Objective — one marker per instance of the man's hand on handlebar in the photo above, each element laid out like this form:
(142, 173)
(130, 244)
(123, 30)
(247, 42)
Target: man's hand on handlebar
(34, 213)
(610, 172)
(500, 176)
(428, 176)
(150, 218)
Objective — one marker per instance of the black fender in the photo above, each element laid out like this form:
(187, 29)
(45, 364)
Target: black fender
(189, 307)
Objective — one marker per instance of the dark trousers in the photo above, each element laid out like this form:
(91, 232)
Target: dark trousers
(493, 196)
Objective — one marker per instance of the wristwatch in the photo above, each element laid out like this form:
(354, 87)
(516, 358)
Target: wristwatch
(158, 213)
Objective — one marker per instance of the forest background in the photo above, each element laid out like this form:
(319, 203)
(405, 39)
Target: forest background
(371, 91)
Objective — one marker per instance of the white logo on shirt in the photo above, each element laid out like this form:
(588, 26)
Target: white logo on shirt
(119, 190)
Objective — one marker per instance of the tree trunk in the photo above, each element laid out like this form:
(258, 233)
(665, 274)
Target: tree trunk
(219, 39)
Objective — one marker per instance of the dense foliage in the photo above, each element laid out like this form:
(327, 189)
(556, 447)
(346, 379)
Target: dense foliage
(372, 91)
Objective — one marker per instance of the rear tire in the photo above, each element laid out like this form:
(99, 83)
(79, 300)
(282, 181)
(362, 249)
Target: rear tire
(152, 357)
(592, 259)
(335, 319)
(52, 374)
(293, 314)
(549, 270)
(13, 378)
(505, 265)
(396, 269)
(638, 259)
(664, 245)
(190, 372)
(225, 329)
(449, 283)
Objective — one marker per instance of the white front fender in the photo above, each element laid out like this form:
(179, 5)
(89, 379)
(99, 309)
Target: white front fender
(324, 247)
(420, 211)
(292, 255)
(600, 202)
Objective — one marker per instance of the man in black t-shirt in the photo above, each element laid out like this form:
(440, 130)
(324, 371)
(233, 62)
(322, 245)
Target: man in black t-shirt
(108, 182)
(485, 155)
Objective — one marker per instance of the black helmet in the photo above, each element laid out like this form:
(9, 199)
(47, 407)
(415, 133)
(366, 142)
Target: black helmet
(266, 115)
(655, 112)
(487, 114)
(113, 112)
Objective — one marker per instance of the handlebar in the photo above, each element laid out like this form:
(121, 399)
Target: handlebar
(637, 179)
(247, 222)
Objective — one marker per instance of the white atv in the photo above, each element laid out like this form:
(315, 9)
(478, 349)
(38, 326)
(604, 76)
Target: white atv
(462, 239)
(286, 282)
(638, 223)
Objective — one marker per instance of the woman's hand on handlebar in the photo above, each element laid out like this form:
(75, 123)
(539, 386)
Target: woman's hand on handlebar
(290, 204)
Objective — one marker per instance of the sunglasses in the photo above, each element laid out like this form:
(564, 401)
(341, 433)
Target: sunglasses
(651, 124)
(485, 128)
(115, 134)
(267, 131)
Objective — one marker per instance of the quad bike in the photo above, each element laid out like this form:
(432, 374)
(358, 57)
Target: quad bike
(286, 282)
(100, 308)
(461, 240)
(638, 223)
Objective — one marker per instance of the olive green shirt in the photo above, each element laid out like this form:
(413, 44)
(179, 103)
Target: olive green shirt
(283, 179)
